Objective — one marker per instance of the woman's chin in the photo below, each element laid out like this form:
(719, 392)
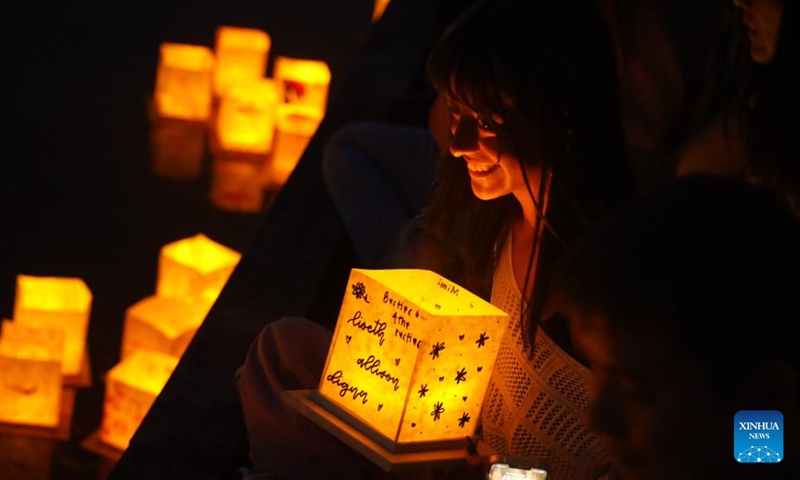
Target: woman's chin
(761, 54)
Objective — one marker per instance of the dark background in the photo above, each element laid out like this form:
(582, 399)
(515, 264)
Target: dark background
(77, 195)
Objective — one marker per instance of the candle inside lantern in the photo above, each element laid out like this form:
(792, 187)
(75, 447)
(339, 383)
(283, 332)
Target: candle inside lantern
(62, 303)
(184, 81)
(411, 357)
(246, 116)
(241, 55)
(162, 324)
(30, 374)
(131, 388)
(191, 266)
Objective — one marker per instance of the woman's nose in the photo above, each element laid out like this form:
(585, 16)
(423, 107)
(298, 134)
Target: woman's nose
(464, 138)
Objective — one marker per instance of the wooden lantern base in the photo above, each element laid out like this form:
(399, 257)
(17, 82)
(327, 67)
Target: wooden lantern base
(59, 432)
(307, 403)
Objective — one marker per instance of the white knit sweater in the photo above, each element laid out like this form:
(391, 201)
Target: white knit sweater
(536, 408)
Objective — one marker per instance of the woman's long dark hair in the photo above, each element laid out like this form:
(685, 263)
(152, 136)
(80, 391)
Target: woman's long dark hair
(555, 60)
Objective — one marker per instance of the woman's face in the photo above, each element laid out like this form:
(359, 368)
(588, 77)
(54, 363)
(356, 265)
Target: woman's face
(762, 19)
(484, 142)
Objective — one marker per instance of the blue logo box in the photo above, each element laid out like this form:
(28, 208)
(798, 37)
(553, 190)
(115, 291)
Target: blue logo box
(758, 436)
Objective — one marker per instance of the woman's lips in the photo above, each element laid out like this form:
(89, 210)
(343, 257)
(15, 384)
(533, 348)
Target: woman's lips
(481, 170)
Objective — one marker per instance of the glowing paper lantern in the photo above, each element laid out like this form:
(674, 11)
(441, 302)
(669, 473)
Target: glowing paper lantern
(236, 185)
(177, 146)
(246, 116)
(184, 81)
(294, 130)
(30, 374)
(62, 303)
(161, 324)
(241, 54)
(189, 267)
(411, 357)
(302, 83)
(131, 388)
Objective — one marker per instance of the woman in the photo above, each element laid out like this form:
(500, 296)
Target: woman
(754, 135)
(536, 154)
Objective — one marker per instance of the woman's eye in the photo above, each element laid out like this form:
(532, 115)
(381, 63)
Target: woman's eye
(483, 123)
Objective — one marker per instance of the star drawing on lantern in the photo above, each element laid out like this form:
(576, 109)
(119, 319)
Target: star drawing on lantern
(461, 375)
(482, 340)
(463, 420)
(360, 291)
(423, 389)
(438, 409)
(437, 347)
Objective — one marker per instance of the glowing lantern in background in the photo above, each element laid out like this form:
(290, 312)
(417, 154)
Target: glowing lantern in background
(292, 135)
(184, 81)
(241, 54)
(192, 266)
(246, 117)
(62, 303)
(236, 185)
(302, 82)
(30, 374)
(411, 358)
(161, 324)
(302, 102)
(378, 9)
(131, 388)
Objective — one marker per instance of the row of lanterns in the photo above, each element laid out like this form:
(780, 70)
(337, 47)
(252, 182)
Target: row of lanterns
(222, 99)
(43, 353)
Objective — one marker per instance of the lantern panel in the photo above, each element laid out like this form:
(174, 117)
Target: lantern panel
(184, 81)
(241, 55)
(188, 267)
(302, 82)
(30, 375)
(131, 388)
(161, 324)
(412, 355)
(286, 153)
(56, 302)
(246, 117)
(236, 186)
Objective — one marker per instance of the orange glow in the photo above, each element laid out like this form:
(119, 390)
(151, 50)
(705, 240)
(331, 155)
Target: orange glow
(241, 54)
(246, 117)
(412, 355)
(161, 324)
(62, 303)
(296, 125)
(30, 374)
(131, 388)
(378, 9)
(189, 267)
(302, 83)
(184, 81)
(236, 186)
